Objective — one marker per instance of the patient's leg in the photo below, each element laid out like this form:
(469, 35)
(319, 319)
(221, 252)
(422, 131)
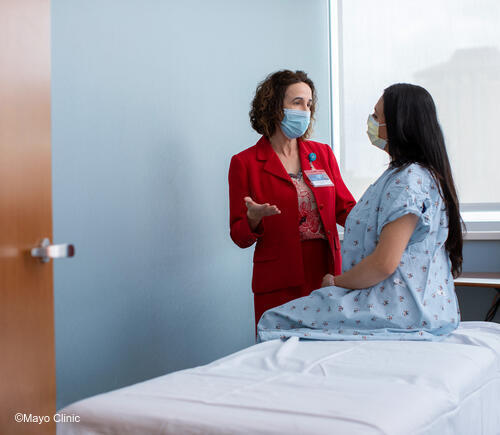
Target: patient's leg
(323, 308)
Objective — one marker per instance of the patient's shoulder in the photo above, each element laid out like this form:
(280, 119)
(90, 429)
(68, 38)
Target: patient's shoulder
(414, 176)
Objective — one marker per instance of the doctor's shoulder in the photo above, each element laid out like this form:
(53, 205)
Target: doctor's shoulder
(247, 153)
(322, 149)
(245, 156)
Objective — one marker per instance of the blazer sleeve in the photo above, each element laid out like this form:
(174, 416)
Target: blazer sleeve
(240, 230)
(344, 201)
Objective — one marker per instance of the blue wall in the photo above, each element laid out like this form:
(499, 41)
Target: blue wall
(149, 101)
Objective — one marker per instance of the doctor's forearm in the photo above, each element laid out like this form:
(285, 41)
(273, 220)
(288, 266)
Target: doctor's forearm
(366, 273)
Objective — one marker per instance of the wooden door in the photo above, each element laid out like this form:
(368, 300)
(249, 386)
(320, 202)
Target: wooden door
(27, 359)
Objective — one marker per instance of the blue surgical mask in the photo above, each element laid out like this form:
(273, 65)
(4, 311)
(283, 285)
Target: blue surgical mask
(295, 123)
(372, 132)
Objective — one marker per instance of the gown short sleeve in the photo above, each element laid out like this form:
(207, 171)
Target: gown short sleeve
(407, 191)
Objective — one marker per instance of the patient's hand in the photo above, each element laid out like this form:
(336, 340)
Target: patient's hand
(328, 280)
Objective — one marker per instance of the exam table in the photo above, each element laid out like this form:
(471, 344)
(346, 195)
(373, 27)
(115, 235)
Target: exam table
(316, 387)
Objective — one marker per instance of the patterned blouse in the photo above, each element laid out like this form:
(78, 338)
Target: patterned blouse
(310, 225)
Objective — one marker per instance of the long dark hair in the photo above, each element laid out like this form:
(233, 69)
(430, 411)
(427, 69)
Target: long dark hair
(414, 136)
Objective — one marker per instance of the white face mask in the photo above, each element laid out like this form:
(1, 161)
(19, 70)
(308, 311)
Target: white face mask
(372, 132)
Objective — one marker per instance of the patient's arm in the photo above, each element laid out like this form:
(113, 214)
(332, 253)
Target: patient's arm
(383, 262)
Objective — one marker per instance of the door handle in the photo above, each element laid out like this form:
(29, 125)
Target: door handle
(46, 251)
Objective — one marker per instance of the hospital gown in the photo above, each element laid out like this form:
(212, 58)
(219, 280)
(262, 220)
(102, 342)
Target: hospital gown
(417, 302)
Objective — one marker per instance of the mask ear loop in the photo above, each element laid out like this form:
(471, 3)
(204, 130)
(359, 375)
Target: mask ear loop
(378, 132)
(376, 122)
(378, 129)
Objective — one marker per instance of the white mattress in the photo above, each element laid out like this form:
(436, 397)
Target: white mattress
(316, 387)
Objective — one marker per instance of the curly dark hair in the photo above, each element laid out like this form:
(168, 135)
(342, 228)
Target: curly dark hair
(267, 106)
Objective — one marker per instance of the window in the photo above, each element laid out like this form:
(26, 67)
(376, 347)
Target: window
(451, 48)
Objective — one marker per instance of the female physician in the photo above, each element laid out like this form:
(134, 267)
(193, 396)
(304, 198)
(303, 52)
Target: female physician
(286, 194)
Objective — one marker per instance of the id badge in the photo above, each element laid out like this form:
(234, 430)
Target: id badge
(318, 178)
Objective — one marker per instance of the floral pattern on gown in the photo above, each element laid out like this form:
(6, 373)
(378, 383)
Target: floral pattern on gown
(417, 302)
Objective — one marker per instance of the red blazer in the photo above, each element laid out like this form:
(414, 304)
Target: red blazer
(258, 172)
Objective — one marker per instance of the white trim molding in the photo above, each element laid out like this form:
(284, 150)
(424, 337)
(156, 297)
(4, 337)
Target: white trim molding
(482, 221)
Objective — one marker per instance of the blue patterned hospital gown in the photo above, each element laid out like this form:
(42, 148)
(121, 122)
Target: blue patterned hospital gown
(417, 302)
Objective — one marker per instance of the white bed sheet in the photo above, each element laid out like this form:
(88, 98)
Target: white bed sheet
(316, 387)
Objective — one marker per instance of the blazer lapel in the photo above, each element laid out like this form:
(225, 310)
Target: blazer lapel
(273, 164)
(304, 151)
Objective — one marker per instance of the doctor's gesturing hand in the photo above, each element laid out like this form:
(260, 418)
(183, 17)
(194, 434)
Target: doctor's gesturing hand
(256, 212)
(274, 204)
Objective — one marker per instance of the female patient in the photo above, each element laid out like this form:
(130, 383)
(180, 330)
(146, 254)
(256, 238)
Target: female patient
(402, 241)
